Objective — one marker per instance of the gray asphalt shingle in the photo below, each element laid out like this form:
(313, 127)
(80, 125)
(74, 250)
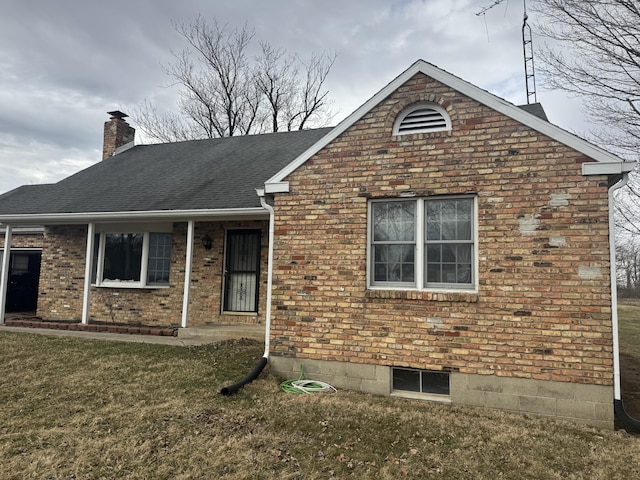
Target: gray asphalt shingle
(199, 174)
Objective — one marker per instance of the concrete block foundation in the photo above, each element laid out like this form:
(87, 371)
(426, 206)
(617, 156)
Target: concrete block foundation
(582, 404)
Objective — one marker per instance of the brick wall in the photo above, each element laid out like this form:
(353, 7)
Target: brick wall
(19, 240)
(62, 281)
(62, 273)
(542, 310)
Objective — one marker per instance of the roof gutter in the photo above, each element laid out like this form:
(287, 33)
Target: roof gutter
(618, 406)
(100, 217)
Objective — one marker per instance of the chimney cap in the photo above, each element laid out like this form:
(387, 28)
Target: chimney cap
(118, 114)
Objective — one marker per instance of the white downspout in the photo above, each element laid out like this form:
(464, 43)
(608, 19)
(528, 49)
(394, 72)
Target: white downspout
(4, 281)
(618, 406)
(614, 288)
(267, 322)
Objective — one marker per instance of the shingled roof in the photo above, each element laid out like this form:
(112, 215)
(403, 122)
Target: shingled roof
(220, 173)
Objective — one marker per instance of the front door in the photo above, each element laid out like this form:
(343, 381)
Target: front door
(242, 271)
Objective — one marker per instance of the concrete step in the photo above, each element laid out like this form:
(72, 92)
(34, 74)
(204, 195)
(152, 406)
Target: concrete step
(218, 333)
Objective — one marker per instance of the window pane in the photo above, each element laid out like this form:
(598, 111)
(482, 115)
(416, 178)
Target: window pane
(394, 263)
(464, 273)
(433, 230)
(449, 263)
(433, 273)
(394, 221)
(449, 273)
(123, 256)
(464, 207)
(449, 253)
(380, 272)
(408, 272)
(159, 259)
(407, 380)
(434, 253)
(435, 382)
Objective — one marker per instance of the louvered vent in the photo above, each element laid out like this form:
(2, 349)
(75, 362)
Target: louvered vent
(423, 119)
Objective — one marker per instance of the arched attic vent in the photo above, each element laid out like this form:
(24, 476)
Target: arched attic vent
(421, 118)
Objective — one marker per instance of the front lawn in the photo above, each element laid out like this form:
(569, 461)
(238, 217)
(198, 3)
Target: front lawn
(80, 409)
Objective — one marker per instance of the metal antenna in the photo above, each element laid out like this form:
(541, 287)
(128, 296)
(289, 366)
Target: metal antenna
(529, 68)
(527, 47)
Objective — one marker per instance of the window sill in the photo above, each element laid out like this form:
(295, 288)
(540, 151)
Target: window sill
(432, 397)
(430, 295)
(130, 286)
(242, 314)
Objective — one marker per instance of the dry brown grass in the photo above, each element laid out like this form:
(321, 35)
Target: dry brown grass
(77, 409)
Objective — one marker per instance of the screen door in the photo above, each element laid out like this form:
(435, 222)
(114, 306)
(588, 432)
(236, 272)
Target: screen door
(242, 271)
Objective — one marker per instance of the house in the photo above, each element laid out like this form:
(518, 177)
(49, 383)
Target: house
(439, 243)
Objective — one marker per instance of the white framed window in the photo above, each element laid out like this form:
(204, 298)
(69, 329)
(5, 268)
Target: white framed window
(423, 243)
(131, 259)
(421, 118)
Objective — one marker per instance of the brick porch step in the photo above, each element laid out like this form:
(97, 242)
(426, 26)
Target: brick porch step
(92, 327)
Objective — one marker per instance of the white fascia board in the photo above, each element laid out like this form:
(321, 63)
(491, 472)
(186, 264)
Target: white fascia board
(602, 168)
(466, 88)
(256, 213)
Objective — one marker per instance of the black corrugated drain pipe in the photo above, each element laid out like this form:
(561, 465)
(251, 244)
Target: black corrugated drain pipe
(231, 389)
(627, 420)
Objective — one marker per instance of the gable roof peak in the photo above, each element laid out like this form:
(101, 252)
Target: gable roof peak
(525, 116)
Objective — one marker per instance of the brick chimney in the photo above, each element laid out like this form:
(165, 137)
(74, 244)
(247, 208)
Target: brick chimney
(117, 132)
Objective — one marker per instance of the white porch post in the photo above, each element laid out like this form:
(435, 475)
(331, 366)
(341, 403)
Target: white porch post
(187, 273)
(4, 281)
(91, 230)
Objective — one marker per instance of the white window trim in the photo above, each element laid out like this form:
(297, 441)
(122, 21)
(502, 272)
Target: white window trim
(417, 106)
(146, 230)
(419, 284)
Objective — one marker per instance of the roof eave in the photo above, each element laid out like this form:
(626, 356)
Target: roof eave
(254, 213)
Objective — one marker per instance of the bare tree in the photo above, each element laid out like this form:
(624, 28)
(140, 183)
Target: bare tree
(599, 60)
(628, 266)
(627, 207)
(226, 92)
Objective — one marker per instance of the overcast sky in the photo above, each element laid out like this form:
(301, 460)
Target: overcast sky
(65, 63)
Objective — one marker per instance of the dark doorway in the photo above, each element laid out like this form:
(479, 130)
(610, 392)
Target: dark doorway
(24, 274)
(242, 271)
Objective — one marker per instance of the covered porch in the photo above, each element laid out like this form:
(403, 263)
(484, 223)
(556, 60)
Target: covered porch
(155, 272)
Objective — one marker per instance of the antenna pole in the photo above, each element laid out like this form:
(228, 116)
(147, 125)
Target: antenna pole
(527, 47)
(529, 68)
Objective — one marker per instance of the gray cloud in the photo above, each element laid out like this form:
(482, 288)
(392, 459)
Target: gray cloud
(63, 64)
